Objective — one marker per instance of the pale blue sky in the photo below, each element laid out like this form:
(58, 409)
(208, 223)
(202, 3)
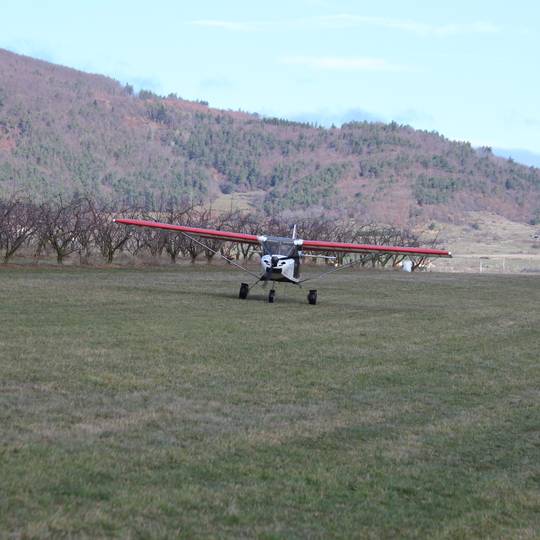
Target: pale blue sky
(468, 69)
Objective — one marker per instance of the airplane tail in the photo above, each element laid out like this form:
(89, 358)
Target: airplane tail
(294, 232)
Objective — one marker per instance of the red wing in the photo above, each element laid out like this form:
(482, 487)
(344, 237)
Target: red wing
(308, 245)
(316, 245)
(226, 236)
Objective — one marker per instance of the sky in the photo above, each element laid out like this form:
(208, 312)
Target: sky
(468, 69)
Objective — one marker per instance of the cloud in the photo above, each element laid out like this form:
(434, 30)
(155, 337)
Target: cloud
(515, 118)
(30, 48)
(233, 26)
(144, 83)
(532, 159)
(338, 116)
(337, 63)
(215, 82)
(406, 25)
(347, 20)
(414, 117)
(326, 117)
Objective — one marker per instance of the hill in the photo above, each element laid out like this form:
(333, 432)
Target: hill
(65, 131)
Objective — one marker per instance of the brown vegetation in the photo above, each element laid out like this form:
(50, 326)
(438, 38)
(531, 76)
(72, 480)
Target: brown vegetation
(85, 226)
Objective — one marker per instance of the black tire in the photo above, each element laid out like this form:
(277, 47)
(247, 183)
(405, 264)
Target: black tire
(271, 296)
(244, 289)
(312, 297)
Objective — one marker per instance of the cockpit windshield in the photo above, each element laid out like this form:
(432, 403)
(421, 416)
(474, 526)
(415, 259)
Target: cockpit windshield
(280, 246)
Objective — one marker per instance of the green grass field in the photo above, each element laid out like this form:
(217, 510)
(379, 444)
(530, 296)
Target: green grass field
(152, 403)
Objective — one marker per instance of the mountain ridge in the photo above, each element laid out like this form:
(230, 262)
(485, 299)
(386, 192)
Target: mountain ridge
(65, 131)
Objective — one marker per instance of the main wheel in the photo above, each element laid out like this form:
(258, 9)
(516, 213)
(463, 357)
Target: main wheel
(312, 297)
(271, 296)
(244, 289)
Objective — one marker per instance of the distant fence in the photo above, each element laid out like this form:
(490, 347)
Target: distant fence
(491, 264)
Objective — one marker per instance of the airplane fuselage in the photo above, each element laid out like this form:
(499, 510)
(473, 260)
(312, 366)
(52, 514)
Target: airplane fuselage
(279, 268)
(281, 259)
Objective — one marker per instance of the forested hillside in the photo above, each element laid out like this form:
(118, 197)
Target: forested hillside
(64, 131)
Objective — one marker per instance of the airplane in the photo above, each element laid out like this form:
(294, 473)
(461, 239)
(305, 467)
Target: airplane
(280, 256)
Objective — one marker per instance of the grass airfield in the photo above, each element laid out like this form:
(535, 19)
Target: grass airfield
(152, 403)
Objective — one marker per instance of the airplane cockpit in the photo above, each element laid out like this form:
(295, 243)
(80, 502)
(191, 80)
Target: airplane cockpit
(285, 247)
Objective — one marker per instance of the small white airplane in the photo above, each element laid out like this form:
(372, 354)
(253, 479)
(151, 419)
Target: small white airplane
(280, 260)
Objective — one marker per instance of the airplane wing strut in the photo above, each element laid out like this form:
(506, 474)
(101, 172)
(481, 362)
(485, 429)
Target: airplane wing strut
(230, 261)
(320, 276)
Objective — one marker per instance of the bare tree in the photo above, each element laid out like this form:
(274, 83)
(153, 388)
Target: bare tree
(136, 241)
(18, 224)
(211, 220)
(179, 213)
(85, 219)
(421, 240)
(108, 236)
(60, 226)
(249, 223)
(81, 224)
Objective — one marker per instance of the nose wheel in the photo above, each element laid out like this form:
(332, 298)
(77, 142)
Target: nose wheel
(271, 296)
(312, 297)
(244, 290)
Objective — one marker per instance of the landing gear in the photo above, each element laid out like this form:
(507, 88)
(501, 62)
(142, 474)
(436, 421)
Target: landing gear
(244, 289)
(312, 296)
(271, 296)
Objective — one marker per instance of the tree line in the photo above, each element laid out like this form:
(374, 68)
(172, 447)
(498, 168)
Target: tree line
(83, 227)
